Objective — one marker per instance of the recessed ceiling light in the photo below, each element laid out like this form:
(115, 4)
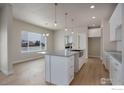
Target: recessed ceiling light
(93, 17)
(92, 6)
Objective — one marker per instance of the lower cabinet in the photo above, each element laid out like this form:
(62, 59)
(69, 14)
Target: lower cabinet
(79, 62)
(106, 60)
(115, 72)
(60, 71)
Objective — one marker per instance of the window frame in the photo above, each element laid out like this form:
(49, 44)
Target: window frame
(28, 51)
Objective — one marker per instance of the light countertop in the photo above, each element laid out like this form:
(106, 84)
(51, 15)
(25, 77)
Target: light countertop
(117, 55)
(63, 53)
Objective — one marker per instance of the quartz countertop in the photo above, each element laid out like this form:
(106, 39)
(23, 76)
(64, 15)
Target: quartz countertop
(114, 51)
(64, 53)
(117, 55)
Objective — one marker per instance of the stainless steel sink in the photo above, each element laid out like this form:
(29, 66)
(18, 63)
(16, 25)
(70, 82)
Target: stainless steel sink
(76, 50)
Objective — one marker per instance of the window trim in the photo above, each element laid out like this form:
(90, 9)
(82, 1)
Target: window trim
(28, 51)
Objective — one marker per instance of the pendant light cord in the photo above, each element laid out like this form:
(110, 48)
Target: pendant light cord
(66, 20)
(55, 11)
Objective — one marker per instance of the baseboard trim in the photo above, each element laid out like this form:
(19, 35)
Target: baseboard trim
(6, 72)
(94, 56)
(28, 59)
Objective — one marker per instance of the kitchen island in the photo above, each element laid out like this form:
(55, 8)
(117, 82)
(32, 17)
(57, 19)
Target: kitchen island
(59, 66)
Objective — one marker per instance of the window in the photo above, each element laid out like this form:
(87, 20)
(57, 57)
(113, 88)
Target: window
(32, 42)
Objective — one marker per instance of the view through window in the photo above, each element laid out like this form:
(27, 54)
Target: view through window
(31, 42)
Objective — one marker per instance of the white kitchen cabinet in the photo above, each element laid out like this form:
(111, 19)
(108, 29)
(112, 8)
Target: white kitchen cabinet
(106, 60)
(79, 61)
(82, 61)
(112, 30)
(60, 70)
(115, 21)
(115, 71)
(79, 41)
(47, 68)
(118, 33)
(95, 32)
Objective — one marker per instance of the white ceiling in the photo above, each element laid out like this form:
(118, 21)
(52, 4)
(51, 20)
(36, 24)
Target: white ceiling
(43, 14)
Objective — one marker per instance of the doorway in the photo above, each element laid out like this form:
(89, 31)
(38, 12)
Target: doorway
(94, 47)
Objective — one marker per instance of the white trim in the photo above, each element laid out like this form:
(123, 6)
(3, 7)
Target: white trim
(93, 56)
(6, 72)
(28, 59)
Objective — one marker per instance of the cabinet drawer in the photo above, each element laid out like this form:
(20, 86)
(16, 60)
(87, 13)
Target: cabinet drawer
(71, 58)
(115, 72)
(116, 65)
(71, 61)
(71, 74)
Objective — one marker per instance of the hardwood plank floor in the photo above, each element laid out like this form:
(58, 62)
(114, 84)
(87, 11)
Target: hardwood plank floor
(27, 73)
(33, 73)
(91, 73)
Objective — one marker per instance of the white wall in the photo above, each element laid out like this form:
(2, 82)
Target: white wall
(59, 38)
(18, 26)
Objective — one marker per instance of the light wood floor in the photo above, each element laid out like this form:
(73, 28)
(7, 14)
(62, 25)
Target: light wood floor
(91, 73)
(33, 73)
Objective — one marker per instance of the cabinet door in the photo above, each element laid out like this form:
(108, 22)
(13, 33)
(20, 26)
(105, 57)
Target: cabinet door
(112, 29)
(96, 32)
(59, 70)
(47, 68)
(71, 68)
(115, 22)
(118, 15)
(118, 33)
(115, 72)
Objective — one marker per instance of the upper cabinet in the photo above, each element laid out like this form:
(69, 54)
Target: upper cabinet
(115, 24)
(95, 32)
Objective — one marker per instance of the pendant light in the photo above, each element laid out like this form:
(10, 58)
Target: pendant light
(72, 26)
(55, 22)
(66, 29)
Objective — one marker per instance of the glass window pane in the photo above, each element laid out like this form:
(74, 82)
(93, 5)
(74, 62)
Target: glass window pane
(31, 42)
(34, 41)
(43, 43)
(24, 41)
